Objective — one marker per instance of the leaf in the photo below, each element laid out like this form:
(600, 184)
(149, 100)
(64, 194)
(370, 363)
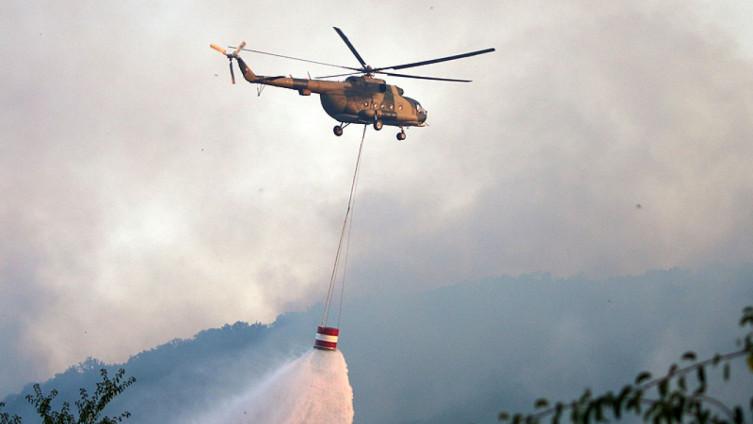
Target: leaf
(575, 412)
(631, 404)
(587, 413)
(617, 409)
(679, 409)
(672, 369)
(747, 317)
(599, 412)
(652, 411)
(645, 375)
(626, 390)
(557, 412)
(689, 356)
(701, 373)
(541, 403)
(663, 388)
(738, 415)
(638, 399)
(681, 383)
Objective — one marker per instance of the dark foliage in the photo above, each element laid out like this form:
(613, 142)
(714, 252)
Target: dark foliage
(676, 397)
(89, 407)
(6, 418)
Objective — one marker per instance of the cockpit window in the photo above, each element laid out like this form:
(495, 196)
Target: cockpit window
(418, 107)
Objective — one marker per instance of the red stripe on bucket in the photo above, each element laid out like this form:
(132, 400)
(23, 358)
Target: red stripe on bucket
(321, 344)
(330, 331)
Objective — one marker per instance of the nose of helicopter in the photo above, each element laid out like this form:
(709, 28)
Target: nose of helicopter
(422, 115)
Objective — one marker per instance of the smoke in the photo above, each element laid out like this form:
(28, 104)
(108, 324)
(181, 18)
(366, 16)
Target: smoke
(313, 388)
(145, 198)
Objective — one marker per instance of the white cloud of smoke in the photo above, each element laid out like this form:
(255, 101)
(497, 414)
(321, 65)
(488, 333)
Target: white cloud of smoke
(145, 199)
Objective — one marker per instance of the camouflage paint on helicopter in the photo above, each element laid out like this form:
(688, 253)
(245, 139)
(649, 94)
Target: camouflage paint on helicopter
(360, 99)
(357, 100)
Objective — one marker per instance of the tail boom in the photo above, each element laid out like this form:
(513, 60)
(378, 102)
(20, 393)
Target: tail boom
(304, 86)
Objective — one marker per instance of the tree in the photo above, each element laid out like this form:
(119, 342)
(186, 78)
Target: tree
(89, 408)
(6, 418)
(667, 399)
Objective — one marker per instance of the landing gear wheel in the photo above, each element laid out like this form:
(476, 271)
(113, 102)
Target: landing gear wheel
(378, 124)
(338, 130)
(401, 136)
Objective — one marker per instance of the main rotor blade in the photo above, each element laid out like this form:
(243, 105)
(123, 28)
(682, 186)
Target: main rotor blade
(350, 46)
(441, 59)
(392, 74)
(296, 58)
(340, 75)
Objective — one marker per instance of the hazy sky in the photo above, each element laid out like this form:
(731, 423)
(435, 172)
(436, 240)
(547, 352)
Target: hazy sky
(145, 198)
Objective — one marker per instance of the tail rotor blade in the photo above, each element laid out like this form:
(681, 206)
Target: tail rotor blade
(239, 48)
(232, 74)
(219, 49)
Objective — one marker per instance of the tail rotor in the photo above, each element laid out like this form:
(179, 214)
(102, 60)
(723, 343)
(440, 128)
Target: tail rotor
(230, 56)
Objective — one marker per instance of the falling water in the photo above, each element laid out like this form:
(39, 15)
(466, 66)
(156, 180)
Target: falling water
(313, 388)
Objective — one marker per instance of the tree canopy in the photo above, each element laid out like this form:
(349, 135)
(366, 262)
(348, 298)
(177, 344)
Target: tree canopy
(680, 395)
(90, 408)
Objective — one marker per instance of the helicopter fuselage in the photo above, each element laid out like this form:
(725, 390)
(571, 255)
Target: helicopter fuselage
(357, 100)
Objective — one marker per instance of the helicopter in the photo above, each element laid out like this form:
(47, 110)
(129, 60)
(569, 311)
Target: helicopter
(360, 98)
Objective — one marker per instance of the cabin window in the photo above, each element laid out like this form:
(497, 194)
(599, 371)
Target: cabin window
(366, 104)
(392, 107)
(400, 107)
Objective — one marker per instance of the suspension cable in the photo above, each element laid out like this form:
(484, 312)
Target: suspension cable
(347, 247)
(343, 231)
